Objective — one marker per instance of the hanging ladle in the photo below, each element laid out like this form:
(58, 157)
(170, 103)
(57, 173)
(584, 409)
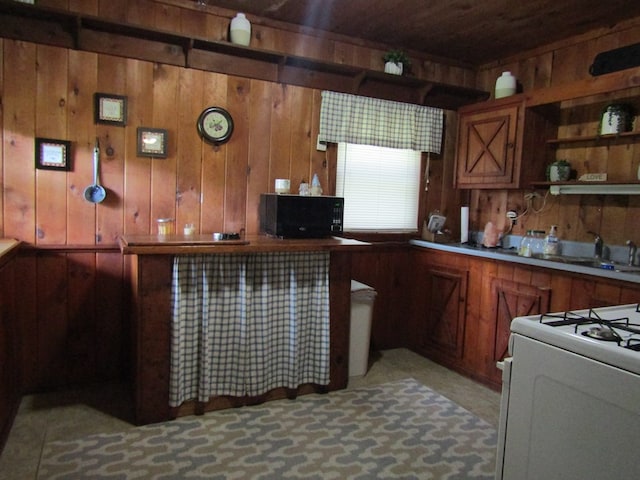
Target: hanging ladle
(95, 193)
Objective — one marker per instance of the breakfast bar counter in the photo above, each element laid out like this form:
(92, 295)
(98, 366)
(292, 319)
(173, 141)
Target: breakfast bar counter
(151, 262)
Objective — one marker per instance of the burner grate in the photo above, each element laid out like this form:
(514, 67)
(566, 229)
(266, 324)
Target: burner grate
(603, 329)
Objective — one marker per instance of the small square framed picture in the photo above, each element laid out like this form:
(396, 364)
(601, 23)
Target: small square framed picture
(110, 109)
(152, 142)
(53, 154)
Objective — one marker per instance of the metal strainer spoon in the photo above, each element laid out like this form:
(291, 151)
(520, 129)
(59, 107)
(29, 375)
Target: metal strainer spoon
(95, 193)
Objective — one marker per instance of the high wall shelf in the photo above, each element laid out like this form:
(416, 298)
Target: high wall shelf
(550, 101)
(71, 30)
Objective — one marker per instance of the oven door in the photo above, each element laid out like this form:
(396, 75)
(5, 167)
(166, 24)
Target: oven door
(568, 416)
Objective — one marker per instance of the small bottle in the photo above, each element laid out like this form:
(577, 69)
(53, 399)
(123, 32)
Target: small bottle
(316, 189)
(505, 85)
(525, 245)
(551, 243)
(240, 30)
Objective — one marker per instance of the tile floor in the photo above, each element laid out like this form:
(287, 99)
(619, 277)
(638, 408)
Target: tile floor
(106, 408)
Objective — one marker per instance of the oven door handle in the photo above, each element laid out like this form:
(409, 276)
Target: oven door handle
(500, 365)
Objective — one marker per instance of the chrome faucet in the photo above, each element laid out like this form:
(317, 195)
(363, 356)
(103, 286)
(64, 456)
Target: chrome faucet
(633, 249)
(598, 245)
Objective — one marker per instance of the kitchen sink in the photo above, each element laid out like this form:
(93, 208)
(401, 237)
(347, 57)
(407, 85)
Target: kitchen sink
(627, 268)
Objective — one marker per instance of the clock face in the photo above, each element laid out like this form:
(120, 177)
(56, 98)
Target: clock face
(215, 125)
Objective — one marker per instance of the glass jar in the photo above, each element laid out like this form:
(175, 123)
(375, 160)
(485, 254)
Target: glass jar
(532, 243)
(166, 226)
(525, 245)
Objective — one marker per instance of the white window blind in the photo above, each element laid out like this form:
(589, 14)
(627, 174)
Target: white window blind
(380, 186)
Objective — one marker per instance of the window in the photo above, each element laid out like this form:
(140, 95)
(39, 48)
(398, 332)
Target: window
(380, 186)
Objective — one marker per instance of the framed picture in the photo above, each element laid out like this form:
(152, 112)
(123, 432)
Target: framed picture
(53, 154)
(152, 142)
(110, 109)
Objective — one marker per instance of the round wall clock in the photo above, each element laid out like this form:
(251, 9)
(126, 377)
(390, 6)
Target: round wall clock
(215, 125)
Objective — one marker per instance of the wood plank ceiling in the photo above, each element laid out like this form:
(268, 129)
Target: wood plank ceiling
(470, 31)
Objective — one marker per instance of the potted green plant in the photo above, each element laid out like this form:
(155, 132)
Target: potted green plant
(396, 62)
(616, 118)
(559, 171)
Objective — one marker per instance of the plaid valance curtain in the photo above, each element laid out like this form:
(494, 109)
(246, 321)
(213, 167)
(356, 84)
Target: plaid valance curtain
(246, 324)
(382, 123)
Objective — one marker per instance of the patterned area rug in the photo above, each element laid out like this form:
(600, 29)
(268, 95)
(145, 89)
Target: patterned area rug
(396, 430)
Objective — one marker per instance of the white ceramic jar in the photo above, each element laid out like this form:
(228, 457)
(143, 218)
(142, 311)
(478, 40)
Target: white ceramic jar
(505, 85)
(240, 30)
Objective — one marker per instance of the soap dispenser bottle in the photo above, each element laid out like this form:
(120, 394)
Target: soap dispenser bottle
(551, 243)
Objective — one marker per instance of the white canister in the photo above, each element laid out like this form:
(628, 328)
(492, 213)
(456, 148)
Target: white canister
(505, 85)
(393, 68)
(282, 185)
(240, 30)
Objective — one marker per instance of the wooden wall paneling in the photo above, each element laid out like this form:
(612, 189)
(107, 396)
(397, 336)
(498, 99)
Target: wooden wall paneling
(81, 220)
(629, 295)
(188, 152)
(301, 111)
(629, 229)
(235, 198)
(61, 4)
(10, 390)
(26, 319)
(137, 170)
(193, 22)
(51, 122)
(167, 17)
(88, 7)
(259, 125)
(112, 328)
(214, 159)
(81, 337)
(152, 337)
(479, 327)
(560, 300)
(309, 46)
(113, 9)
(614, 213)
(280, 161)
(52, 320)
(112, 78)
(142, 12)
(384, 268)
(164, 173)
(319, 163)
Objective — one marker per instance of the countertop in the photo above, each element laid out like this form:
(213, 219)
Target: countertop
(510, 255)
(8, 248)
(204, 243)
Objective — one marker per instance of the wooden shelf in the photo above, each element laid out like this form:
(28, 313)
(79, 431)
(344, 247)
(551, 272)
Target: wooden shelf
(609, 83)
(590, 188)
(61, 28)
(624, 137)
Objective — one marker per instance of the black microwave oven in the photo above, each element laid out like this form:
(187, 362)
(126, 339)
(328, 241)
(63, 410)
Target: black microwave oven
(300, 216)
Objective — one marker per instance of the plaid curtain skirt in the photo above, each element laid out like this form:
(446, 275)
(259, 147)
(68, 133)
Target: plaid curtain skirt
(243, 324)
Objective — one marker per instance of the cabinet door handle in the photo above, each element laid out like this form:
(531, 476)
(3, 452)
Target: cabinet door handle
(510, 145)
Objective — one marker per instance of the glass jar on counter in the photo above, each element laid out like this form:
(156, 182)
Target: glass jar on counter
(531, 243)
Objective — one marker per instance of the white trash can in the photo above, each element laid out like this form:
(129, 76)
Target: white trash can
(362, 297)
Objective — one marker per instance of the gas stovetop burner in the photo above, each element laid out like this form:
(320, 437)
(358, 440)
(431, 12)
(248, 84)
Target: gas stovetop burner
(602, 333)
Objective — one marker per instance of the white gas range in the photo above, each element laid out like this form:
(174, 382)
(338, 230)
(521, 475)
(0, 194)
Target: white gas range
(571, 396)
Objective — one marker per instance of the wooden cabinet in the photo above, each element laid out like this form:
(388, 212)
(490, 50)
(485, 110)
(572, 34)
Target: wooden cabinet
(9, 367)
(462, 306)
(499, 144)
(439, 307)
(510, 299)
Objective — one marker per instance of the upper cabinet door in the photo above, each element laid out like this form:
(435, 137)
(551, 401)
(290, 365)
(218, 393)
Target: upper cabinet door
(501, 144)
(487, 148)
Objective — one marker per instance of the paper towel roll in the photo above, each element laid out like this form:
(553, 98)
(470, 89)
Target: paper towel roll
(464, 224)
